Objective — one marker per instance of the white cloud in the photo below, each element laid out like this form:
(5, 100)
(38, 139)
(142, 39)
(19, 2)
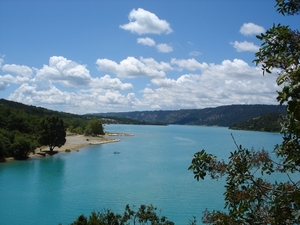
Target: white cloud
(210, 85)
(107, 82)
(189, 64)
(146, 41)
(145, 22)
(81, 102)
(245, 46)
(150, 42)
(66, 72)
(20, 74)
(31, 94)
(130, 68)
(194, 53)
(150, 62)
(8, 78)
(24, 71)
(164, 48)
(231, 82)
(166, 82)
(249, 29)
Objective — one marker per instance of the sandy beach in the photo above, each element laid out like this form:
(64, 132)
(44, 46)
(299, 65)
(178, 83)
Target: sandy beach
(75, 142)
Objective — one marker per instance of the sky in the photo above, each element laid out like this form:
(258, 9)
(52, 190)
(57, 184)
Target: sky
(117, 56)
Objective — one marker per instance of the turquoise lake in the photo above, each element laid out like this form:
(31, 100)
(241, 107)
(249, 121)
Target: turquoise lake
(150, 169)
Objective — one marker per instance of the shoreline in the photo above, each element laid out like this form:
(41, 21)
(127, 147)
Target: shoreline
(73, 143)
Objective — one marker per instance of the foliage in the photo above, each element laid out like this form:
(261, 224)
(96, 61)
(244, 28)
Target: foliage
(288, 7)
(21, 148)
(94, 127)
(118, 120)
(2, 150)
(249, 197)
(52, 132)
(270, 122)
(19, 121)
(144, 215)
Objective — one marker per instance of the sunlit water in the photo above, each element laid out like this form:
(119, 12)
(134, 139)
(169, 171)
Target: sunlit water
(150, 169)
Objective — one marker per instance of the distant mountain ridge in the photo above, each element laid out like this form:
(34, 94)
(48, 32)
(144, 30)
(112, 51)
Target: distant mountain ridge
(219, 116)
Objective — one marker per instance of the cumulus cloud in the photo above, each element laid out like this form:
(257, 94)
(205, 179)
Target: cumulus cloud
(31, 94)
(150, 42)
(8, 78)
(189, 64)
(131, 67)
(150, 62)
(38, 87)
(245, 46)
(65, 72)
(83, 101)
(17, 74)
(164, 48)
(146, 41)
(107, 82)
(249, 29)
(231, 82)
(201, 85)
(145, 22)
(24, 71)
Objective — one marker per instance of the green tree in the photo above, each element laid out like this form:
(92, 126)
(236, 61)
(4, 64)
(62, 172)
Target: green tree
(249, 197)
(52, 132)
(21, 148)
(94, 127)
(2, 149)
(144, 215)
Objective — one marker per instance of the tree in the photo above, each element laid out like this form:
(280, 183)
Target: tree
(2, 149)
(249, 197)
(94, 127)
(21, 148)
(144, 215)
(52, 132)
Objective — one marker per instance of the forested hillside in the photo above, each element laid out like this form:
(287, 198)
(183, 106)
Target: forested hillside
(219, 116)
(20, 126)
(270, 122)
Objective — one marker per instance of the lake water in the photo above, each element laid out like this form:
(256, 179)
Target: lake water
(150, 169)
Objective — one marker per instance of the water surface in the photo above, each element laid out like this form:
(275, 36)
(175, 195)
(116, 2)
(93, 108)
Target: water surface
(150, 169)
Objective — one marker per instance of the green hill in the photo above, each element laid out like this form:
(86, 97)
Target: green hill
(269, 123)
(220, 116)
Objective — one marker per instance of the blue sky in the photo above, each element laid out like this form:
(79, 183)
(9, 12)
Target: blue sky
(102, 56)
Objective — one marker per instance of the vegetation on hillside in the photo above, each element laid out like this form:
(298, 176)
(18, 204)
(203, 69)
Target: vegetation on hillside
(23, 128)
(270, 122)
(220, 116)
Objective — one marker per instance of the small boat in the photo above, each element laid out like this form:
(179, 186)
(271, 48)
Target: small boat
(115, 152)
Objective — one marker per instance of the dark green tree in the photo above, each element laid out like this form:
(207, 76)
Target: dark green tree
(94, 127)
(20, 148)
(144, 215)
(53, 132)
(2, 149)
(250, 198)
